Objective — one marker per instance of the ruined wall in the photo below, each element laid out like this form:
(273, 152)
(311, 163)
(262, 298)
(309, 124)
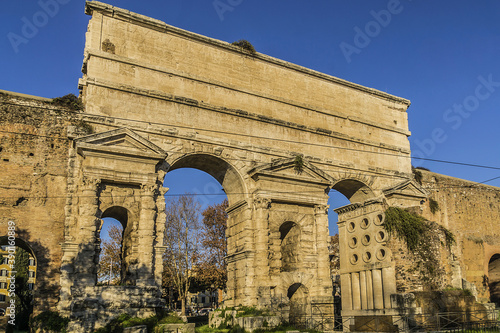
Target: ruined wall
(33, 173)
(472, 213)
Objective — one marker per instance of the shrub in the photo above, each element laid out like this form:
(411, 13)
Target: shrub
(69, 101)
(51, 321)
(244, 45)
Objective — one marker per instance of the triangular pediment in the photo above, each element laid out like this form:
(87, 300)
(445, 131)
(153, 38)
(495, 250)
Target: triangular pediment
(122, 141)
(286, 169)
(407, 188)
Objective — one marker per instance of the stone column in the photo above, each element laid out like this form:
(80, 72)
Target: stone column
(261, 278)
(369, 289)
(70, 252)
(345, 281)
(159, 247)
(389, 283)
(87, 258)
(356, 292)
(362, 285)
(378, 291)
(146, 231)
(322, 240)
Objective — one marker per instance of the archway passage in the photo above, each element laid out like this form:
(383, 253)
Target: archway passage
(17, 262)
(299, 303)
(225, 174)
(111, 268)
(494, 279)
(117, 246)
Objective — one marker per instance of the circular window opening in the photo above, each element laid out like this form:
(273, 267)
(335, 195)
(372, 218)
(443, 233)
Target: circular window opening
(365, 223)
(353, 242)
(367, 256)
(381, 254)
(380, 219)
(366, 239)
(351, 226)
(380, 237)
(354, 259)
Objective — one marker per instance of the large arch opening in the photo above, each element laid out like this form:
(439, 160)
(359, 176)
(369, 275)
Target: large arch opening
(213, 184)
(494, 279)
(224, 173)
(343, 193)
(24, 268)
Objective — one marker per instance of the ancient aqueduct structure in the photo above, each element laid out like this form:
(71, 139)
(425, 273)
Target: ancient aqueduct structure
(159, 98)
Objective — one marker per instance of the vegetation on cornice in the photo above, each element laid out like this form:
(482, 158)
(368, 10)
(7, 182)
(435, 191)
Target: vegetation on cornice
(69, 101)
(244, 45)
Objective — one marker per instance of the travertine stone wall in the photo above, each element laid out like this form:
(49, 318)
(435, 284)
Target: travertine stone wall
(33, 183)
(472, 213)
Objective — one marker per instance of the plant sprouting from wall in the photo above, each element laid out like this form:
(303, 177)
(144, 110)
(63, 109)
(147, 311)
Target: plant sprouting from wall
(70, 101)
(244, 45)
(422, 238)
(417, 175)
(298, 164)
(433, 205)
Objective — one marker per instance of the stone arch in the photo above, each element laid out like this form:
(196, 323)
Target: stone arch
(494, 278)
(298, 294)
(224, 172)
(290, 246)
(354, 189)
(124, 216)
(4, 240)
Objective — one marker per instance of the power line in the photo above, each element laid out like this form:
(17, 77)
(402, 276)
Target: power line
(272, 139)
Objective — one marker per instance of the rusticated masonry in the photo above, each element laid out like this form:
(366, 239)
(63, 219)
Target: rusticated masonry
(276, 136)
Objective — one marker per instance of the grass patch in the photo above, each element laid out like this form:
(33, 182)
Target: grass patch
(250, 311)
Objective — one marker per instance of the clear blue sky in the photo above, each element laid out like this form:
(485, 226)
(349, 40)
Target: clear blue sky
(441, 55)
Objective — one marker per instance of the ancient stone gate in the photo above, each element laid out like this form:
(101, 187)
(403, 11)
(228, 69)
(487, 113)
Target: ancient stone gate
(276, 136)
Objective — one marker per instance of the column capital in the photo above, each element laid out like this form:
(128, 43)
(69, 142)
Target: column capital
(321, 209)
(90, 183)
(262, 203)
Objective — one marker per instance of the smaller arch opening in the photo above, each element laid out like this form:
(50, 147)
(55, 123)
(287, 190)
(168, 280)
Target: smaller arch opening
(115, 248)
(24, 267)
(494, 278)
